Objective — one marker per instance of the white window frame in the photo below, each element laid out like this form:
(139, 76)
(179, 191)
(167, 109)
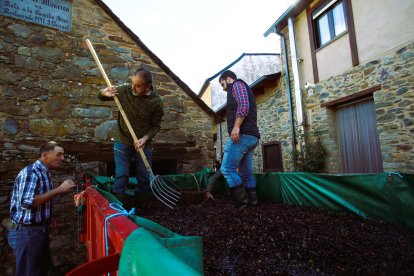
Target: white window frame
(327, 10)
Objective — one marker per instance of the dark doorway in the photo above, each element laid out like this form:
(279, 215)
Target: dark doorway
(272, 157)
(168, 166)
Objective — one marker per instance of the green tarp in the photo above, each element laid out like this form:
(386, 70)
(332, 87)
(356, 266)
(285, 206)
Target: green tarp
(144, 254)
(194, 181)
(183, 253)
(386, 196)
(156, 250)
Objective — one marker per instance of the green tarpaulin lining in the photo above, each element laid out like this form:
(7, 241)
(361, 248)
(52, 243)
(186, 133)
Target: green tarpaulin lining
(386, 196)
(144, 254)
(197, 180)
(185, 252)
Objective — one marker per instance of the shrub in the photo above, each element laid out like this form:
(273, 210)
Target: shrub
(310, 157)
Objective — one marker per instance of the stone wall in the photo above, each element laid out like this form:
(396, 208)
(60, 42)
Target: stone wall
(394, 104)
(48, 91)
(273, 119)
(394, 71)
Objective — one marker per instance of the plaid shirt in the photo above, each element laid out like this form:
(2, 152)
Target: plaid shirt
(241, 96)
(31, 181)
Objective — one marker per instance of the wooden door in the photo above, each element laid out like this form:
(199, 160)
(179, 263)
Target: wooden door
(272, 157)
(358, 137)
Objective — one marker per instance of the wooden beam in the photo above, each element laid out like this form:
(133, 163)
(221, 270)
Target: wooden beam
(352, 97)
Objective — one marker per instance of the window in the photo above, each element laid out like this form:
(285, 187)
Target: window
(329, 22)
(272, 157)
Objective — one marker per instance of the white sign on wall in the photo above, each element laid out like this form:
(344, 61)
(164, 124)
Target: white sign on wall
(51, 13)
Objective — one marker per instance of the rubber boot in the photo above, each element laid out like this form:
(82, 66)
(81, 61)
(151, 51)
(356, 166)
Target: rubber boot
(239, 196)
(252, 195)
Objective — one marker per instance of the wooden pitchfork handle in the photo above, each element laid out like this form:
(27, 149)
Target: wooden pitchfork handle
(118, 104)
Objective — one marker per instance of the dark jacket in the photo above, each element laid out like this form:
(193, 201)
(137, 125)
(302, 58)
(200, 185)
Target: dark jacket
(249, 125)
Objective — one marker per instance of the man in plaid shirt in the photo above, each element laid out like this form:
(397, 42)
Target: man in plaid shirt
(31, 211)
(244, 138)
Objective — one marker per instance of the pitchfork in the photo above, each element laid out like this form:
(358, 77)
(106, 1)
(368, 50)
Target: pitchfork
(163, 189)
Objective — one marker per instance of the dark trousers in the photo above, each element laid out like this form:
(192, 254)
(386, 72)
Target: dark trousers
(123, 155)
(213, 180)
(31, 248)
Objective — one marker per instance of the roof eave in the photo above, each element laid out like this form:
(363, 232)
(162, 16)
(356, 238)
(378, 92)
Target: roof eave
(264, 78)
(294, 10)
(203, 88)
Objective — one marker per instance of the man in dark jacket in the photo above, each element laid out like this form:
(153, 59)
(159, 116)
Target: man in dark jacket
(244, 138)
(144, 109)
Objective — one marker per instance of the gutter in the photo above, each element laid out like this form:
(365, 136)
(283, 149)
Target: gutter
(288, 89)
(295, 71)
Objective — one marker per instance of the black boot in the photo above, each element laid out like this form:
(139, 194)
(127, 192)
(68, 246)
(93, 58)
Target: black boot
(252, 195)
(239, 196)
(141, 199)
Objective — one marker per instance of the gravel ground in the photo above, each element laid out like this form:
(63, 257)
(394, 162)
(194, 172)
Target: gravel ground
(281, 239)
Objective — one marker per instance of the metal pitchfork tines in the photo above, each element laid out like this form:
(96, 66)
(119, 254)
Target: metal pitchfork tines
(163, 189)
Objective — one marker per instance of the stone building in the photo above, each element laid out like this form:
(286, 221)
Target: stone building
(249, 67)
(48, 91)
(350, 66)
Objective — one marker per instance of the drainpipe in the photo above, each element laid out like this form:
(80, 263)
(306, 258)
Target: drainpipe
(288, 89)
(295, 70)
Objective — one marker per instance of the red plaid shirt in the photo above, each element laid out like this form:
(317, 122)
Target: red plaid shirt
(241, 96)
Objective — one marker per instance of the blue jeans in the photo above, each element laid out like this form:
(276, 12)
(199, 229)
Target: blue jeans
(123, 155)
(239, 156)
(32, 251)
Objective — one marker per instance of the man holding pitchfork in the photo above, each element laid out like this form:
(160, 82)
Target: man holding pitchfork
(144, 110)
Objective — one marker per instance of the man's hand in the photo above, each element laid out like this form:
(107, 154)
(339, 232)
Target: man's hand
(235, 134)
(140, 144)
(67, 186)
(109, 92)
(208, 196)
